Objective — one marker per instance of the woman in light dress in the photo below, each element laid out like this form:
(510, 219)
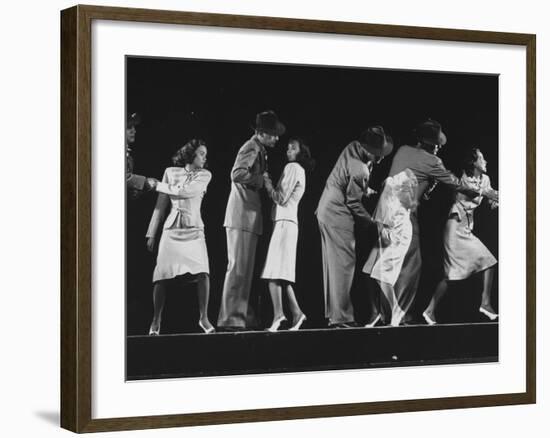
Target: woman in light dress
(464, 253)
(182, 248)
(280, 264)
(395, 231)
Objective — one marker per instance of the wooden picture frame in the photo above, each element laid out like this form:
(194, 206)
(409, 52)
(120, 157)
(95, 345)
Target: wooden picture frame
(76, 217)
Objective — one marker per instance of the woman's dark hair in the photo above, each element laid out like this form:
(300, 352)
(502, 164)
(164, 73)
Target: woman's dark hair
(186, 154)
(303, 158)
(470, 160)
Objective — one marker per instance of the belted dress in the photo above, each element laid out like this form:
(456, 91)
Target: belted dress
(464, 253)
(182, 248)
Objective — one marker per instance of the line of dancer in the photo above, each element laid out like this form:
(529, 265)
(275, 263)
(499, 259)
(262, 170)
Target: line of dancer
(394, 263)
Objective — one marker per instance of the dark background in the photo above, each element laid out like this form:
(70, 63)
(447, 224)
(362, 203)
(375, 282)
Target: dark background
(328, 107)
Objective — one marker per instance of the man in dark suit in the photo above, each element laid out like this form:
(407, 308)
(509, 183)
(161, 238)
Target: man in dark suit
(243, 219)
(137, 257)
(135, 184)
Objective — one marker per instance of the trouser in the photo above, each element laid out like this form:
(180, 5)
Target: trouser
(401, 295)
(382, 264)
(338, 249)
(406, 284)
(241, 253)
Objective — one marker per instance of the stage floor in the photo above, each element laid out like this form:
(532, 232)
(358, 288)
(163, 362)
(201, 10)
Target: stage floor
(257, 352)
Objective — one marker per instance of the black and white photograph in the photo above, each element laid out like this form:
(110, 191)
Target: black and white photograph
(288, 218)
(329, 222)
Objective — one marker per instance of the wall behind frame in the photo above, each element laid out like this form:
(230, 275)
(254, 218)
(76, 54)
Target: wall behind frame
(30, 166)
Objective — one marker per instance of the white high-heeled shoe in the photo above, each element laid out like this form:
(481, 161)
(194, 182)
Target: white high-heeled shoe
(298, 323)
(429, 320)
(153, 332)
(206, 330)
(492, 316)
(374, 321)
(275, 326)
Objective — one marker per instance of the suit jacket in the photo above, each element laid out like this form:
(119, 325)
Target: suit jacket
(341, 203)
(244, 207)
(135, 184)
(286, 196)
(425, 166)
(184, 190)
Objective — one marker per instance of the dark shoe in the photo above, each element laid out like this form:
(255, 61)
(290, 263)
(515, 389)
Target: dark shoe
(411, 320)
(231, 329)
(351, 324)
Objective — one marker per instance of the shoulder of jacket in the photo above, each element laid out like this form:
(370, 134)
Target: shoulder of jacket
(293, 165)
(297, 168)
(249, 145)
(404, 148)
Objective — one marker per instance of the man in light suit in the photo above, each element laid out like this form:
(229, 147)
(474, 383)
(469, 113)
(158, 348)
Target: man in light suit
(135, 184)
(243, 219)
(340, 209)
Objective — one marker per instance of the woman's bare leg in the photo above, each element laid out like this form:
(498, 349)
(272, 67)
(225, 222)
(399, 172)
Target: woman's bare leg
(276, 298)
(374, 302)
(275, 291)
(159, 298)
(293, 304)
(487, 287)
(440, 291)
(203, 290)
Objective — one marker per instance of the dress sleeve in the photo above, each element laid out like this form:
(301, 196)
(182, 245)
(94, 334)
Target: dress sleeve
(355, 190)
(486, 184)
(160, 209)
(487, 188)
(190, 189)
(287, 184)
(445, 176)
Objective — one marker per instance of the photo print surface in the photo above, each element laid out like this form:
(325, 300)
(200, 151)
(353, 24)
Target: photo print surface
(284, 218)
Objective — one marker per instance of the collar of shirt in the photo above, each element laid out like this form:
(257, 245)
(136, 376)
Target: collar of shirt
(370, 165)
